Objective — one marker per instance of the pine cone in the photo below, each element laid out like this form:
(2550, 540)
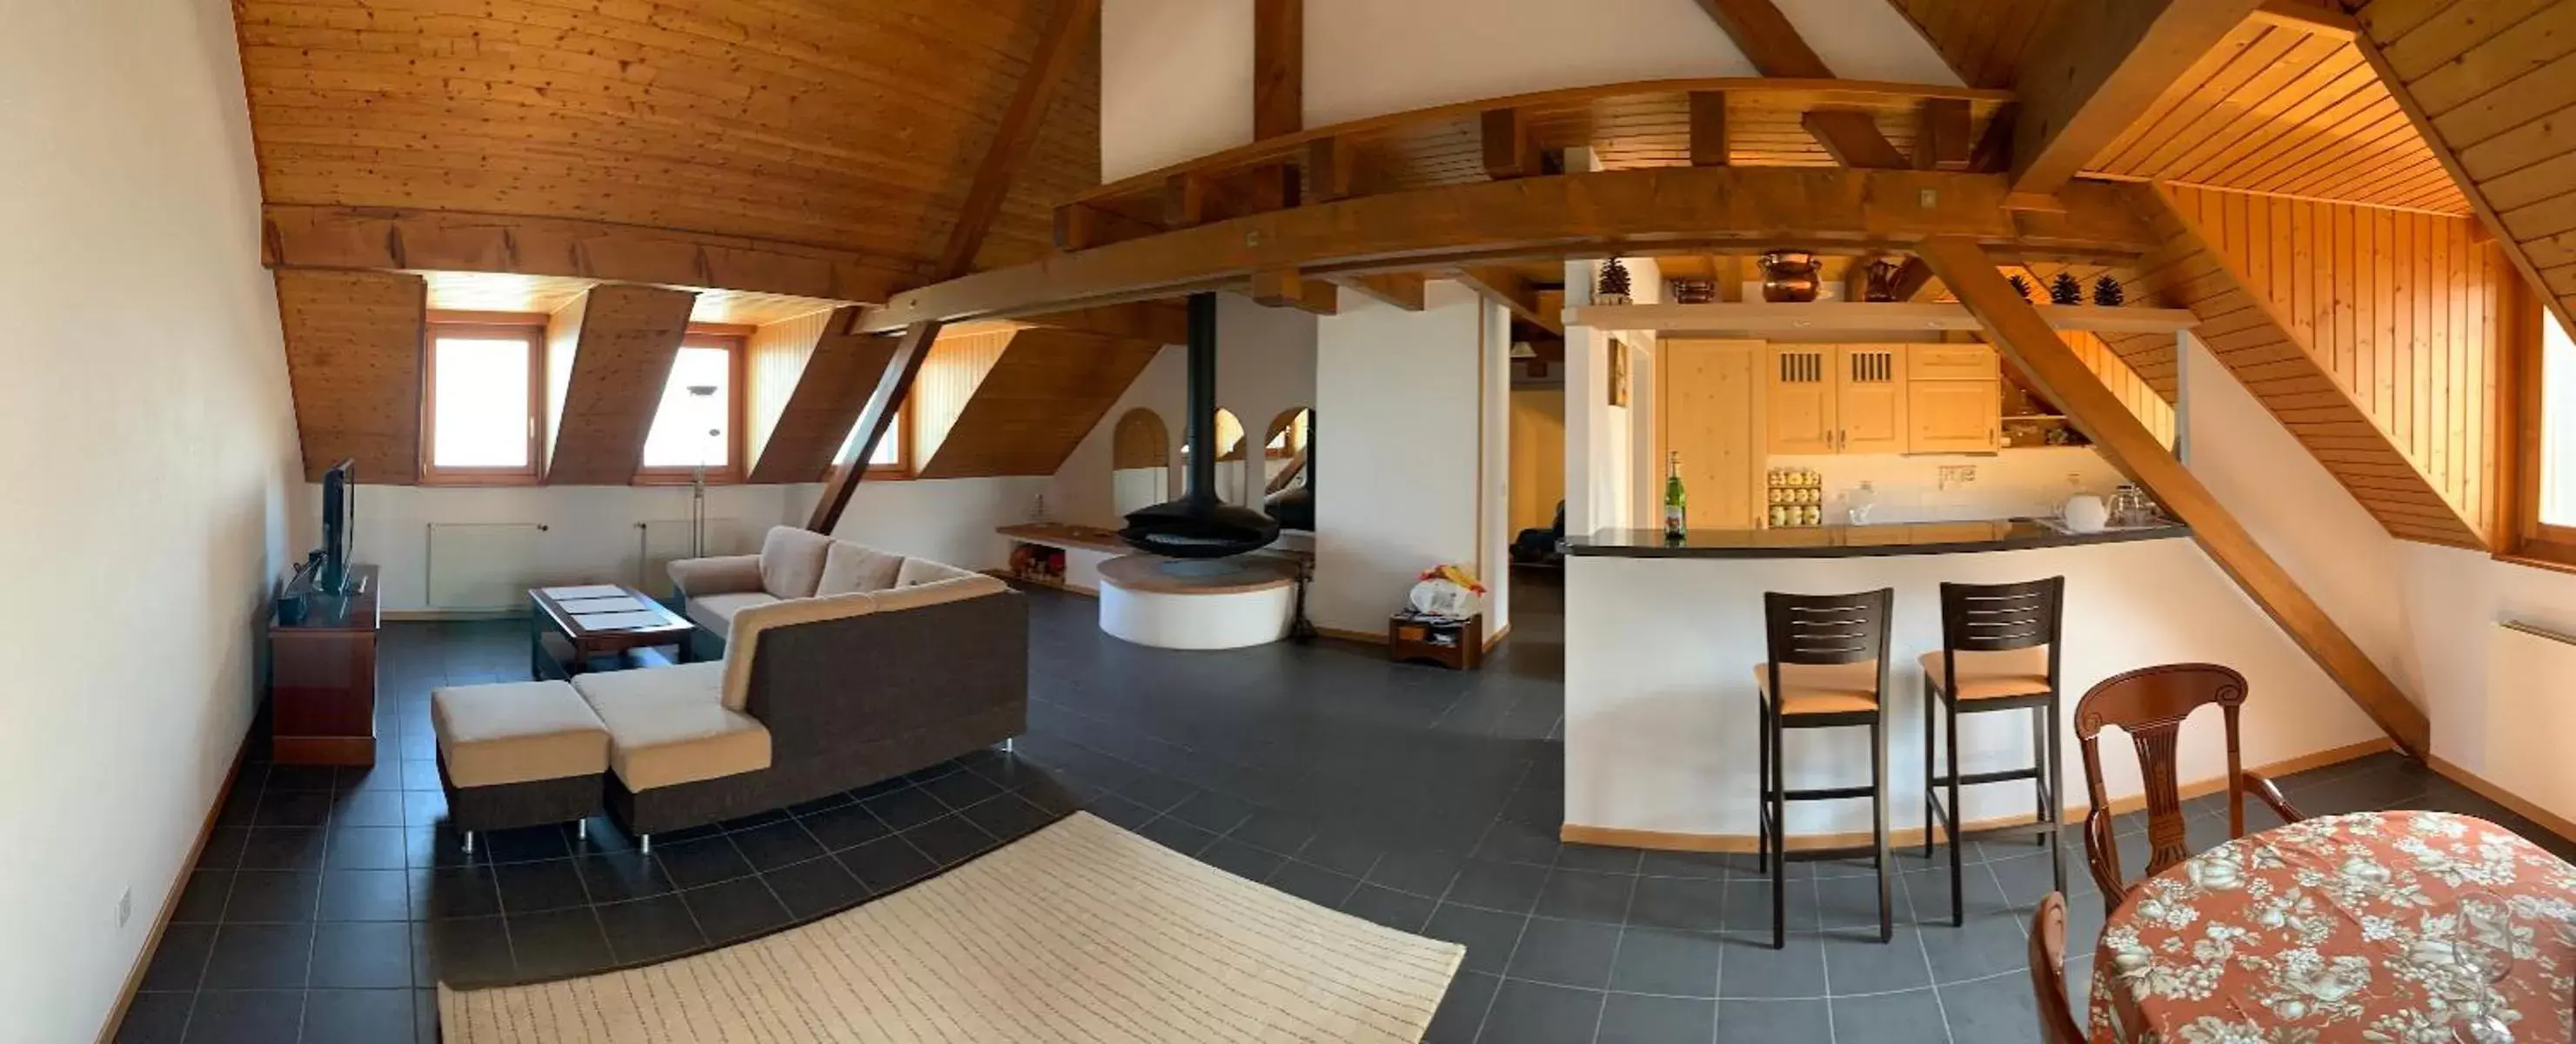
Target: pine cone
(2020, 286)
(2108, 293)
(2065, 290)
(1614, 278)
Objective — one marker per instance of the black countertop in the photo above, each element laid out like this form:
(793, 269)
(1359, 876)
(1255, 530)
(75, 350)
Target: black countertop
(1916, 538)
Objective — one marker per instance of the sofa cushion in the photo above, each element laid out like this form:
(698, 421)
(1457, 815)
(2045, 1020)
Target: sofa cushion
(854, 568)
(1994, 674)
(791, 561)
(727, 574)
(668, 726)
(924, 571)
(744, 642)
(516, 732)
(715, 612)
(938, 592)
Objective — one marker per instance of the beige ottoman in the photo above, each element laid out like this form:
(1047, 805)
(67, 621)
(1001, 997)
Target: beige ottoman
(515, 754)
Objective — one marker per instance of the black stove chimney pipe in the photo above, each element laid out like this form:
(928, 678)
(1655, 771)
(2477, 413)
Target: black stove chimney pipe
(1201, 524)
(1200, 399)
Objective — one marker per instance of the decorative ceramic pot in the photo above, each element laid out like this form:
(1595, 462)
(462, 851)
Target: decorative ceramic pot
(1789, 275)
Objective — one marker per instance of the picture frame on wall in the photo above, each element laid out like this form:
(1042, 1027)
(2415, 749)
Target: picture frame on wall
(1618, 372)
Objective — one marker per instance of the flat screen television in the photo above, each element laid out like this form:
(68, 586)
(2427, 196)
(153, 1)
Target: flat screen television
(339, 518)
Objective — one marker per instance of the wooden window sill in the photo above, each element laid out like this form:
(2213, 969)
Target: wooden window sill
(2534, 561)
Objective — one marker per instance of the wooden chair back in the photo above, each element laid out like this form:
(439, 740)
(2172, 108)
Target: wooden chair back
(2000, 618)
(1827, 629)
(2150, 704)
(2057, 1023)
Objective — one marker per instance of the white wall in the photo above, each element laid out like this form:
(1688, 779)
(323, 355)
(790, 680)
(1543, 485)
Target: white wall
(1176, 75)
(1608, 470)
(1265, 365)
(2011, 484)
(944, 520)
(152, 468)
(590, 537)
(1398, 435)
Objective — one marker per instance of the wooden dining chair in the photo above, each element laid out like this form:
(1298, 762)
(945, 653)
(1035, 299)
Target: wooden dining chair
(2057, 1024)
(2150, 704)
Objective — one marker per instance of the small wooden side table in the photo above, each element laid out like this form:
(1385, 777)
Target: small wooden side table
(1455, 644)
(322, 678)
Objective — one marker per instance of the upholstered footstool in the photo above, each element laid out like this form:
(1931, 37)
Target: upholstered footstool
(515, 754)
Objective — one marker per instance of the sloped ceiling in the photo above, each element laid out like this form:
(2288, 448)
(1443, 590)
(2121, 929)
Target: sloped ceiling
(855, 126)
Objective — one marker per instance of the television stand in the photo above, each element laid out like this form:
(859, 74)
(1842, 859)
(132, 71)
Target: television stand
(322, 678)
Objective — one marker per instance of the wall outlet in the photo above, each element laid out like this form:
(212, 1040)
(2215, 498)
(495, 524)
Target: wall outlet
(1953, 475)
(124, 906)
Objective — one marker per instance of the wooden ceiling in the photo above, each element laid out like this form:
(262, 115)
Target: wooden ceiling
(2285, 109)
(1983, 40)
(854, 126)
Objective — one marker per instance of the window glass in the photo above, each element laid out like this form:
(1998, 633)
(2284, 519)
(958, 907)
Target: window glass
(2557, 424)
(694, 424)
(481, 414)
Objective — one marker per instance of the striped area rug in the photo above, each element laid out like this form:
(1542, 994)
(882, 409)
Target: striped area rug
(1081, 932)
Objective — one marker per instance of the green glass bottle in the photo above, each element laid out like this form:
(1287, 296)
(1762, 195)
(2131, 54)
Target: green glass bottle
(1676, 502)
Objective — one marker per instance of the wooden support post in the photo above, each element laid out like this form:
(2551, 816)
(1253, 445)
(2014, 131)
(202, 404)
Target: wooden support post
(2036, 350)
(1287, 288)
(884, 407)
(1401, 289)
(1508, 153)
(1853, 139)
(1708, 146)
(1278, 67)
(1077, 227)
(1912, 278)
(1941, 139)
(1330, 169)
(1185, 200)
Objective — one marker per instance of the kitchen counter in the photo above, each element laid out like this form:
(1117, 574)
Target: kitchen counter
(1911, 538)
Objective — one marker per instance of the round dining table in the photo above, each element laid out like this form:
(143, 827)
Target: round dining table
(2378, 927)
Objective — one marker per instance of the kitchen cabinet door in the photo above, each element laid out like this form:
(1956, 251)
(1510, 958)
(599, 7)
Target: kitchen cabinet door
(1953, 362)
(1869, 398)
(1955, 417)
(1711, 408)
(1799, 400)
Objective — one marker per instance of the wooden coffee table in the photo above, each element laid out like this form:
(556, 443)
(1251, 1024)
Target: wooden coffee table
(571, 613)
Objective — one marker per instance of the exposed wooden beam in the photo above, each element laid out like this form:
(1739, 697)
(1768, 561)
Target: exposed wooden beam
(1653, 210)
(2098, 72)
(1507, 148)
(2035, 349)
(2310, 17)
(1278, 67)
(1941, 137)
(1162, 322)
(383, 238)
(353, 360)
(1507, 288)
(1852, 138)
(1286, 288)
(1767, 39)
(1185, 200)
(1401, 289)
(884, 407)
(1059, 49)
(831, 389)
(1708, 146)
(623, 348)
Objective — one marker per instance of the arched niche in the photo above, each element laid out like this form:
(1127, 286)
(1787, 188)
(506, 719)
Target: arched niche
(1287, 474)
(1140, 462)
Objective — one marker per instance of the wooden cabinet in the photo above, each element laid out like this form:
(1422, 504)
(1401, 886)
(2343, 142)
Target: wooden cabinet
(1954, 417)
(1710, 401)
(1944, 362)
(1847, 398)
(1869, 398)
(1799, 398)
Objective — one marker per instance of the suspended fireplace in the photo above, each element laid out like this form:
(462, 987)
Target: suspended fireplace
(1199, 525)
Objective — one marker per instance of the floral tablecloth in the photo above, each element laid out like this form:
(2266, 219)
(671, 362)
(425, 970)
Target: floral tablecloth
(2367, 927)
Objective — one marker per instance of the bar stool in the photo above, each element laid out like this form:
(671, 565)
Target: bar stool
(1998, 653)
(1828, 669)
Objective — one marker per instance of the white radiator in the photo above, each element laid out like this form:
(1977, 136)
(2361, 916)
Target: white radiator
(2531, 675)
(482, 566)
(659, 543)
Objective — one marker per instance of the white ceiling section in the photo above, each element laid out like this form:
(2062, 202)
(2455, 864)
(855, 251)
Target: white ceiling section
(1176, 75)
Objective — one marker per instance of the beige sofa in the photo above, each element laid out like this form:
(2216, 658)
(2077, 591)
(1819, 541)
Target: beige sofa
(793, 563)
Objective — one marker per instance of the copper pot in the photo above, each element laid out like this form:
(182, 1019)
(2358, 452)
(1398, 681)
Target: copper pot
(1789, 275)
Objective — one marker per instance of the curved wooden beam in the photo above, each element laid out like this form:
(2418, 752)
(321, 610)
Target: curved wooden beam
(1657, 210)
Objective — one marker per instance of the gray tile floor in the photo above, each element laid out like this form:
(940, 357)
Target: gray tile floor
(328, 902)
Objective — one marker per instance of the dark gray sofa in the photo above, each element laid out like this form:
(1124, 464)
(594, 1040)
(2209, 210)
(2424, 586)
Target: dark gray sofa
(816, 695)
